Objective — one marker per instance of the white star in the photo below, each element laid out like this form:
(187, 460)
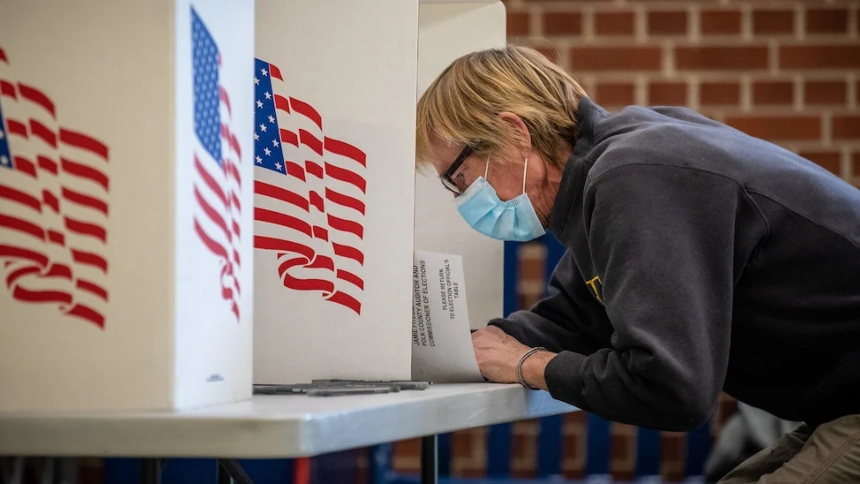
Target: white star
(263, 71)
(259, 104)
(256, 136)
(278, 166)
(268, 96)
(2, 134)
(275, 142)
(259, 160)
(256, 81)
(267, 151)
(271, 119)
(263, 127)
(4, 160)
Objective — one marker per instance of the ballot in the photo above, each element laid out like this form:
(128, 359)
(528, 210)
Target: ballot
(441, 339)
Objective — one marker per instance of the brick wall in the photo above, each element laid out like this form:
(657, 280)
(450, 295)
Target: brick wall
(786, 71)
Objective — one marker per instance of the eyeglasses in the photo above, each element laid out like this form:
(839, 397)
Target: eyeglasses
(447, 178)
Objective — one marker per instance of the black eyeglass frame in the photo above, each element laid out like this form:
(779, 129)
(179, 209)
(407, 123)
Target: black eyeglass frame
(447, 178)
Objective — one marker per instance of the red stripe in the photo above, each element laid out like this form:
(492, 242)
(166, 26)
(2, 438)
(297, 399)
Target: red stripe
(25, 166)
(278, 193)
(225, 98)
(210, 244)
(16, 127)
(84, 200)
(213, 214)
(238, 264)
(316, 201)
(84, 142)
(44, 133)
(47, 164)
(320, 233)
(237, 230)
(322, 262)
(234, 201)
(346, 300)
(86, 228)
(306, 110)
(282, 219)
(233, 173)
(289, 137)
(232, 141)
(345, 175)
(38, 97)
(348, 252)
(59, 270)
(84, 171)
(51, 200)
(272, 243)
(20, 225)
(92, 288)
(311, 141)
(91, 259)
(314, 169)
(56, 238)
(27, 295)
(275, 72)
(344, 225)
(282, 103)
(3, 55)
(342, 148)
(210, 182)
(88, 314)
(19, 253)
(10, 193)
(7, 89)
(296, 170)
(344, 200)
(350, 278)
(15, 275)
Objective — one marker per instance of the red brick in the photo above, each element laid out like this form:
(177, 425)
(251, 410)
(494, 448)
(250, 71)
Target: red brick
(825, 92)
(786, 127)
(827, 21)
(463, 444)
(517, 24)
(672, 450)
(667, 23)
(549, 52)
(855, 163)
(773, 22)
(615, 93)
(831, 56)
(772, 92)
(562, 23)
(667, 93)
(630, 58)
(614, 23)
(846, 126)
(722, 58)
(719, 93)
(720, 22)
(407, 448)
(831, 160)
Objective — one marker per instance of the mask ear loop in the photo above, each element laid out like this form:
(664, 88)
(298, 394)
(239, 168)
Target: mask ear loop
(525, 171)
(487, 167)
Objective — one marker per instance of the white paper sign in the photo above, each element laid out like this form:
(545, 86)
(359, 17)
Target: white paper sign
(441, 341)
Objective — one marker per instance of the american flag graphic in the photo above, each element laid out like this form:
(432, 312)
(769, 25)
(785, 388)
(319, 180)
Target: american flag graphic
(217, 152)
(54, 205)
(309, 195)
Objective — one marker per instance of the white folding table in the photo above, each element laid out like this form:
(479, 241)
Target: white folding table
(276, 426)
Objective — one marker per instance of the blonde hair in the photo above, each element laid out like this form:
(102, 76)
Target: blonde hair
(462, 104)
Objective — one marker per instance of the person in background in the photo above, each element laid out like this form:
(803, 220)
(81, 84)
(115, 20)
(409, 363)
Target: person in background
(699, 259)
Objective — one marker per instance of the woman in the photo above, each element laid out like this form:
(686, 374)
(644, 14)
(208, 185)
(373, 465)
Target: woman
(699, 259)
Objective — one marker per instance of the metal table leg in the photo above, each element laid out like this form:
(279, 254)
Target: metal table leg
(230, 472)
(429, 460)
(150, 471)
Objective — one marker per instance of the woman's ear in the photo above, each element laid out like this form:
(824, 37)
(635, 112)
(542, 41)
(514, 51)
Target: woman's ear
(518, 125)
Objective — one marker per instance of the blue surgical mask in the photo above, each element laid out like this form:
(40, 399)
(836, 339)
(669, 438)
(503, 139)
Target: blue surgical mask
(514, 220)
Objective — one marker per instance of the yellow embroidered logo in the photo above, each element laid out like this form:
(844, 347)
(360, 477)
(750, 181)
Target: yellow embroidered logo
(596, 288)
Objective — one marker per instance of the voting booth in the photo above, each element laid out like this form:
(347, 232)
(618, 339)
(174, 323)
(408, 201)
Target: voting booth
(339, 207)
(126, 204)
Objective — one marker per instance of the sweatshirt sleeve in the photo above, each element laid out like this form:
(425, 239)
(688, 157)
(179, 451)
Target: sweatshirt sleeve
(567, 319)
(662, 240)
